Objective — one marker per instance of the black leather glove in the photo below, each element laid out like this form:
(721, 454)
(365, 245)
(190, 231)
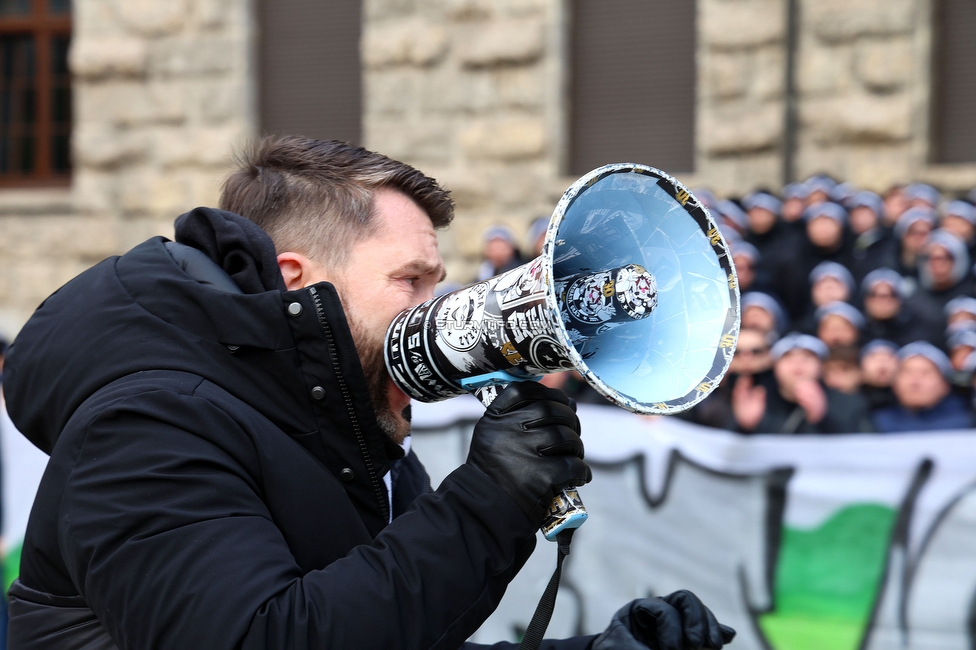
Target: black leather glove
(528, 443)
(678, 621)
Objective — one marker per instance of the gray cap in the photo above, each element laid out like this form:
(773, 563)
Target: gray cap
(879, 344)
(959, 304)
(731, 211)
(910, 216)
(795, 191)
(884, 275)
(796, 340)
(826, 209)
(866, 199)
(955, 247)
(499, 232)
(768, 303)
(963, 337)
(832, 270)
(962, 209)
(819, 183)
(842, 309)
(843, 192)
(930, 352)
(746, 249)
(763, 200)
(923, 191)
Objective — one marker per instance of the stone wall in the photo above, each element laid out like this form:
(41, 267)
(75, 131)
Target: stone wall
(163, 90)
(741, 87)
(862, 89)
(470, 92)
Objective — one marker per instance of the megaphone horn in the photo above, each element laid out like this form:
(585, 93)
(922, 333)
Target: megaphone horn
(634, 289)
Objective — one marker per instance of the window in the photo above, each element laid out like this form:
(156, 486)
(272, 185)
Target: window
(35, 92)
(632, 84)
(954, 82)
(311, 80)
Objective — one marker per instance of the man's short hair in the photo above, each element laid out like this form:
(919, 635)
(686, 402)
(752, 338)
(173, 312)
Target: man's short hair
(316, 197)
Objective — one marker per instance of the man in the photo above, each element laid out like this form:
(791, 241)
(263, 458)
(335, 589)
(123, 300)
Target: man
(887, 315)
(873, 245)
(500, 253)
(944, 272)
(230, 465)
(750, 363)
(776, 242)
(926, 401)
(879, 363)
(800, 403)
(839, 325)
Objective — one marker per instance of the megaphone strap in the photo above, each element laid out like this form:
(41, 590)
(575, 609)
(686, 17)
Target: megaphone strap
(543, 611)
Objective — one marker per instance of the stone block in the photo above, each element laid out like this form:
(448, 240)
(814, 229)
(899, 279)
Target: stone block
(857, 118)
(95, 190)
(446, 90)
(405, 42)
(128, 104)
(194, 147)
(418, 142)
(181, 57)
(740, 128)
(152, 17)
(471, 190)
(725, 75)
(738, 175)
(216, 14)
(101, 58)
(502, 42)
(726, 24)
(505, 139)
(825, 69)
(768, 79)
(840, 20)
(473, 10)
(380, 10)
(219, 102)
(391, 92)
(101, 147)
(522, 88)
(884, 65)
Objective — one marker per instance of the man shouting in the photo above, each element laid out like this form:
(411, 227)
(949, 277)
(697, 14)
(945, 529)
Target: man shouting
(229, 457)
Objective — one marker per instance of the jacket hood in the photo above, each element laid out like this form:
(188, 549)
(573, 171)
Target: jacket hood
(221, 315)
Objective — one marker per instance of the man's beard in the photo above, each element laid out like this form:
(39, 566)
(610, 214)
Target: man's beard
(370, 350)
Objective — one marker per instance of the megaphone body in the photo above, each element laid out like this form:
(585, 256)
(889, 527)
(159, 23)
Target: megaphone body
(634, 289)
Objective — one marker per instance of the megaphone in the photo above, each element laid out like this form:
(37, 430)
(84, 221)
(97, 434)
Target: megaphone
(635, 289)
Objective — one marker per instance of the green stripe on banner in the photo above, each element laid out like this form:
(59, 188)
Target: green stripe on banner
(11, 566)
(827, 580)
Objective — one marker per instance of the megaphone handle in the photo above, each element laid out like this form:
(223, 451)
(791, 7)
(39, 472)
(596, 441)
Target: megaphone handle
(566, 510)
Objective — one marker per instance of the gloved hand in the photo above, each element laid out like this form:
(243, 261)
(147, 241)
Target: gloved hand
(678, 621)
(528, 443)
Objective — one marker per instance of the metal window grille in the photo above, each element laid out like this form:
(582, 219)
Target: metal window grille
(632, 84)
(35, 92)
(310, 70)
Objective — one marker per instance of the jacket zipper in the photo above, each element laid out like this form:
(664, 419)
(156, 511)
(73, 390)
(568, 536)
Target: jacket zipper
(378, 489)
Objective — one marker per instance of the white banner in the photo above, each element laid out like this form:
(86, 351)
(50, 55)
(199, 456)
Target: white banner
(826, 542)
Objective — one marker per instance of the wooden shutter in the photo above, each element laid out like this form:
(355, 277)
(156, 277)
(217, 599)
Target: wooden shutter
(954, 82)
(310, 70)
(632, 82)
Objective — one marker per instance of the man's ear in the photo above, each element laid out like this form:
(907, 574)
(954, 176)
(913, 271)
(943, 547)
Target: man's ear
(299, 271)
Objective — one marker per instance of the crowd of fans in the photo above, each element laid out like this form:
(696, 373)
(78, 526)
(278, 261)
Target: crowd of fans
(858, 310)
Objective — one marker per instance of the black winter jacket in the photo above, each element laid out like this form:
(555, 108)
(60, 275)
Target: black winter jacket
(200, 496)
